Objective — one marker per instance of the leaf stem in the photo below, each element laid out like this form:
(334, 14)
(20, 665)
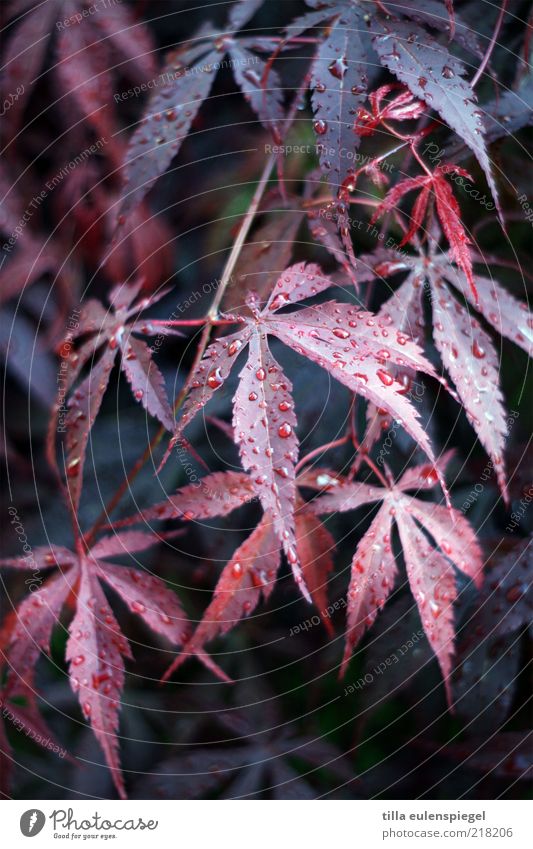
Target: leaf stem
(492, 44)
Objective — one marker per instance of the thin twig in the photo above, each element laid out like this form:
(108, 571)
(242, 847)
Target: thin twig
(491, 46)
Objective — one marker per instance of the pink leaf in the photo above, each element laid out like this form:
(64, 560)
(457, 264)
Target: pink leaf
(148, 596)
(213, 370)
(146, 381)
(471, 359)
(264, 422)
(124, 542)
(452, 533)
(372, 579)
(83, 409)
(44, 557)
(215, 495)
(339, 84)
(357, 350)
(434, 75)
(37, 616)
(167, 122)
(315, 547)
(297, 282)
(265, 100)
(450, 219)
(433, 586)
(509, 316)
(94, 650)
(249, 574)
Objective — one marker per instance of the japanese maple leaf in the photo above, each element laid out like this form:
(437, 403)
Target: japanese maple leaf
(448, 212)
(351, 344)
(108, 332)
(250, 574)
(89, 49)
(403, 107)
(467, 350)
(174, 106)
(435, 76)
(429, 564)
(96, 646)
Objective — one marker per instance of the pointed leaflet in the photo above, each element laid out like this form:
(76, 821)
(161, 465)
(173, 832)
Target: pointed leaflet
(509, 316)
(339, 86)
(471, 359)
(266, 98)
(37, 616)
(434, 75)
(124, 542)
(264, 422)
(242, 11)
(347, 495)
(433, 585)
(249, 574)
(215, 495)
(167, 121)
(44, 557)
(23, 58)
(372, 578)
(148, 596)
(94, 650)
(404, 308)
(356, 348)
(450, 218)
(145, 379)
(404, 311)
(423, 477)
(299, 281)
(452, 533)
(210, 375)
(431, 12)
(83, 409)
(130, 38)
(82, 67)
(315, 547)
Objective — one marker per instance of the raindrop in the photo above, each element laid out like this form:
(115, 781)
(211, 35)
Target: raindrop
(215, 379)
(338, 67)
(385, 377)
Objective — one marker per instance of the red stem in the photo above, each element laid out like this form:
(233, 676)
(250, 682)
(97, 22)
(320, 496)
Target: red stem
(196, 322)
(320, 450)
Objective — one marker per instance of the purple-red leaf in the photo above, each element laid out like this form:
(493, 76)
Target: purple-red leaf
(264, 422)
(434, 75)
(168, 119)
(339, 84)
(248, 576)
(433, 586)
(148, 596)
(145, 379)
(371, 581)
(472, 361)
(95, 650)
(315, 547)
